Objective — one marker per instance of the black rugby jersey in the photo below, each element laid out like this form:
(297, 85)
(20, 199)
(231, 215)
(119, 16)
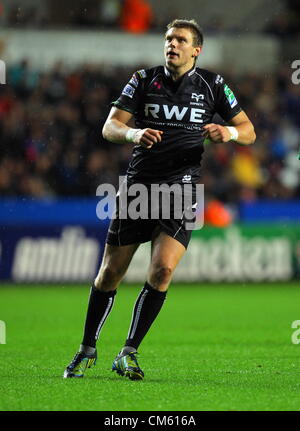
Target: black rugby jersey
(180, 109)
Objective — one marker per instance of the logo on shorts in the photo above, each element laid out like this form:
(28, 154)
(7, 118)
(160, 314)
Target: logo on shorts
(187, 179)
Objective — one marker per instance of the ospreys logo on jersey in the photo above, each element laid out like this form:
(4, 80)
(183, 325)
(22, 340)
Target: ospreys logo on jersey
(230, 96)
(197, 97)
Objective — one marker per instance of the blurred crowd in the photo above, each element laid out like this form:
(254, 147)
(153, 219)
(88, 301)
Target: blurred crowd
(137, 16)
(129, 15)
(51, 143)
(270, 168)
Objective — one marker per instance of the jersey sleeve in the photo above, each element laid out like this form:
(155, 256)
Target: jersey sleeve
(227, 105)
(131, 95)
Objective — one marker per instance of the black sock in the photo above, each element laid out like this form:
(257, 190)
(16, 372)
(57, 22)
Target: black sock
(147, 307)
(100, 305)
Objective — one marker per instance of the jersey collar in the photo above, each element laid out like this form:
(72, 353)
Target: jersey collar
(188, 73)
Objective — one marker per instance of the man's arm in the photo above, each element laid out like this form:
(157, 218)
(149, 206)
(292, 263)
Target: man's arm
(240, 130)
(116, 130)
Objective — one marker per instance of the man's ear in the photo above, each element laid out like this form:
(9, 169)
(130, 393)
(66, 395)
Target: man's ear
(197, 51)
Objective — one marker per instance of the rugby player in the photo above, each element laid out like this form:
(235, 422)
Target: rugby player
(173, 106)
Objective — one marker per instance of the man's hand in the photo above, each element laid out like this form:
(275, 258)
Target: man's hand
(216, 133)
(116, 130)
(147, 137)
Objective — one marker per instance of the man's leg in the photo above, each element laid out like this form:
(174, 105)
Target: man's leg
(165, 255)
(115, 262)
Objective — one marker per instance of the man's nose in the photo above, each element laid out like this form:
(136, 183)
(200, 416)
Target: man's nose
(172, 43)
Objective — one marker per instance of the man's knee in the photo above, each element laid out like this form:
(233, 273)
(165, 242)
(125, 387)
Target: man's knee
(108, 277)
(160, 275)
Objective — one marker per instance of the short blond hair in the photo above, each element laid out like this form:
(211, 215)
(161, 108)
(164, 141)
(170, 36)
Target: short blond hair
(192, 25)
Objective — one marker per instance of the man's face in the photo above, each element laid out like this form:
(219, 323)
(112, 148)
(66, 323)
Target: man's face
(179, 50)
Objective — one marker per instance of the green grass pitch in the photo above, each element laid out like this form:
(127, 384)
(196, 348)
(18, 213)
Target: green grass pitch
(212, 347)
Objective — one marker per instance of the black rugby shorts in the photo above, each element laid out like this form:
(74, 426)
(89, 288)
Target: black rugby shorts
(175, 219)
